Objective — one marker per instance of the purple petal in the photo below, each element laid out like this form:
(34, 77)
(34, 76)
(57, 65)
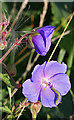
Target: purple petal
(48, 42)
(31, 90)
(47, 97)
(61, 83)
(53, 67)
(40, 50)
(42, 42)
(43, 35)
(47, 29)
(39, 44)
(38, 73)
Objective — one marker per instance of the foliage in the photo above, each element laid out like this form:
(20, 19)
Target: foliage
(25, 58)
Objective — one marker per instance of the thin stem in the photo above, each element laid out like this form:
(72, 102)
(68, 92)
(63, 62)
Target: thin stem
(20, 11)
(4, 66)
(22, 58)
(42, 16)
(21, 52)
(60, 37)
(66, 33)
(7, 53)
(62, 24)
(34, 116)
(12, 94)
(12, 57)
(10, 49)
(20, 113)
(22, 108)
(4, 23)
(12, 11)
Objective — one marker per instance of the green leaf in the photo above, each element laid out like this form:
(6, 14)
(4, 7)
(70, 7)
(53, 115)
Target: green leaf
(5, 79)
(60, 13)
(3, 93)
(61, 55)
(69, 64)
(0, 94)
(5, 9)
(13, 108)
(6, 109)
(9, 90)
(70, 60)
(11, 117)
(67, 41)
(61, 10)
(71, 92)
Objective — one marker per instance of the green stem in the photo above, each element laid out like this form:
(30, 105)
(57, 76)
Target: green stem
(34, 116)
(12, 57)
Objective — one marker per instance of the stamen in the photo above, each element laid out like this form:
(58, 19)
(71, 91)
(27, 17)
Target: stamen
(45, 87)
(50, 85)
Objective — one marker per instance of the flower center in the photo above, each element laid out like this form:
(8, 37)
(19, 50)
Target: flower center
(46, 83)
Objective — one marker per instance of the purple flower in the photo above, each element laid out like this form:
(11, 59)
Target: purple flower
(49, 82)
(41, 39)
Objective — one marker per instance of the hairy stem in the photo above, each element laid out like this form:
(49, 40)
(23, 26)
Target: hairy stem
(20, 11)
(10, 49)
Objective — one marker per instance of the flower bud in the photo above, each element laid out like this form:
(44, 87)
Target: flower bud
(29, 41)
(40, 39)
(35, 108)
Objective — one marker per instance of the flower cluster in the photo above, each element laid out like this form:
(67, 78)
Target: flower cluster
(49, 81)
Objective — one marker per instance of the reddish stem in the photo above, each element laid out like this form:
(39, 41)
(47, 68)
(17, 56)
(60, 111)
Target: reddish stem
(4, 66)
(10, 49)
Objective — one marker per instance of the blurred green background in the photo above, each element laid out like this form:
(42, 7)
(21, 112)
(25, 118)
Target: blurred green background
(57, 14)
